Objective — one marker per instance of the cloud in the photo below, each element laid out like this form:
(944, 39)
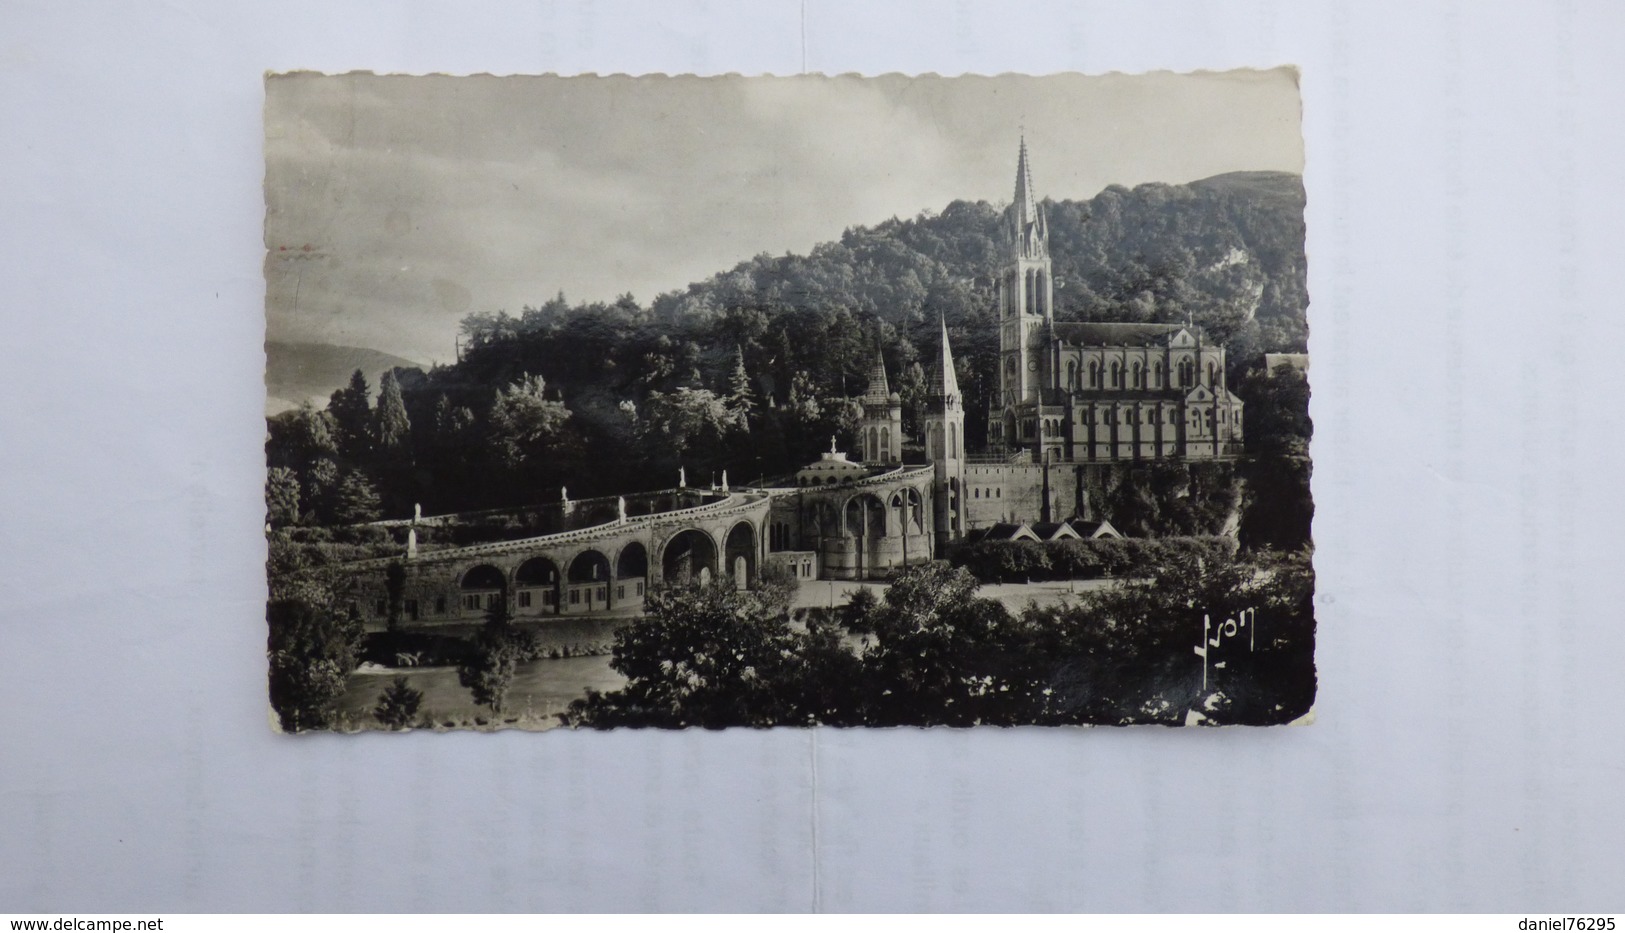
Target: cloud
(396, 205)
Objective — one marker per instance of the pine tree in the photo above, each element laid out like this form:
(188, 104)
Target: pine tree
(392, 430)
(351, 408)
(398, 704)
(356, 501)
(741, 399)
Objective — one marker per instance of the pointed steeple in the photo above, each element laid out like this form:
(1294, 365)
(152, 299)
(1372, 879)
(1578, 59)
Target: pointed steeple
(879, 391)
(944, 382)
(1028, 231)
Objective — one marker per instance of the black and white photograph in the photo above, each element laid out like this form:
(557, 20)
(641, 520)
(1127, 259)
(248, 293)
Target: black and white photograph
(718, 402)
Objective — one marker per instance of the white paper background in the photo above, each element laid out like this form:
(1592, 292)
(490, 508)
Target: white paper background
(1465, 234)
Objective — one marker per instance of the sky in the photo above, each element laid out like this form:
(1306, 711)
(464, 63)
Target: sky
(397, 205)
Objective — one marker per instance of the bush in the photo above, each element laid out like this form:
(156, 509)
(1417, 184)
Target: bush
(1073, 559)
(312, 651)
(398, 704)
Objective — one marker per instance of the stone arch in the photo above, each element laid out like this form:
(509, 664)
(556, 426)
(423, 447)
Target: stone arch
(536, 585)
(739, 554)
(587, 580)
(631, 573)
(915, 504)
(864, 516)
(590, 566)
(689, 558)
(633, 561)
(482, 586)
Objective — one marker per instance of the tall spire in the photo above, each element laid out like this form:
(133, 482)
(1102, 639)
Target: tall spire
(1027, 227)
(944, 382)
(879, 391)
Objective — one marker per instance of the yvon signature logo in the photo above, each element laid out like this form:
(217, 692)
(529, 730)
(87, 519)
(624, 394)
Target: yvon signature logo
(1226, 632)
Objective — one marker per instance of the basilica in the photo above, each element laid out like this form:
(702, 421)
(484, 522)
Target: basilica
(1073, 399)
(1076, 403)
(1097, 391)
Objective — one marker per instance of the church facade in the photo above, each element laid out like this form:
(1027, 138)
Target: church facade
(1097, 392)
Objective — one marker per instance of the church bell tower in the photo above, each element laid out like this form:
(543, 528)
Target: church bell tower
(1026, 313)
(944, 424)
(882, 427)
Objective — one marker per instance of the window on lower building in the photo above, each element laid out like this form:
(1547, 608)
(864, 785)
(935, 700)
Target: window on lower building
(620, 592)
(412, 609)
(380, 607)
(575, 597)
(440, 605)
(524, 599)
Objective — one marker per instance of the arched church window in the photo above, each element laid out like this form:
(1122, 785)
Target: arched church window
(1156, 375)
(1139, 377)
(1072, 374)
(1117, 375)
(1094, 375)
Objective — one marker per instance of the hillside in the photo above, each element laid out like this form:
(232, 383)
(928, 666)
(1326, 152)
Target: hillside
(296, 372)
(755, 368)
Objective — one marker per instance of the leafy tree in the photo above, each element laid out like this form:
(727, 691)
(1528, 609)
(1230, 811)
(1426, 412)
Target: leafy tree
(312, 651)
(1277, 413)
(298, 438)
(1124, 655)
(524, 423)
(498, 649)
(321, 489)
(398, 705)
(719, 657)
(939, 653)
(281, 497)
(688, 420)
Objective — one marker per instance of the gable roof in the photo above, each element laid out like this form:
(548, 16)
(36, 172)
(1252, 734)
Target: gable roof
(1094, 334)
(1053, 531)
(1100, 529)
(1009, 531)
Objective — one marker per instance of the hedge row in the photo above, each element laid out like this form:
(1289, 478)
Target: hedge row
(1069, 559)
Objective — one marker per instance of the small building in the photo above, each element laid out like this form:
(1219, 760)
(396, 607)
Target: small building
(799, 565)
(1100, 529)
(1054, 531)
(831, 469)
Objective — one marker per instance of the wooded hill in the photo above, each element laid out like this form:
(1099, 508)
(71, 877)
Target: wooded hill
(753, 369)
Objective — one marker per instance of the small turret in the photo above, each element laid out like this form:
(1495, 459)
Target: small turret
(881, 430)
